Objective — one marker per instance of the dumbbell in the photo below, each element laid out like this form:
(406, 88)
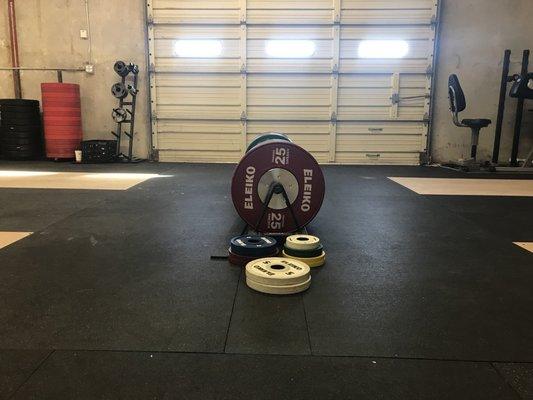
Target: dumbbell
(121, 68)
(119, 115)
(119, 90)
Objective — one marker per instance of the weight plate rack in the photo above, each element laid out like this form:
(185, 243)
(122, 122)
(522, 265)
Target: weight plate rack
(277, 187)
(126, 92)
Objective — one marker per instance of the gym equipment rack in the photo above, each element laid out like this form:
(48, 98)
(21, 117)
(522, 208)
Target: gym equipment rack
(124, 70)
(521, 90)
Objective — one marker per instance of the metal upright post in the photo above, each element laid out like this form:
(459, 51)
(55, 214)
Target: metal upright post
(14, 48)
(132, 119)
(519, 113)
(501, 106)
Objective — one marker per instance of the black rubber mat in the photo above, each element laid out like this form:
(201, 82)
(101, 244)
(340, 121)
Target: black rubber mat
(519, 377)
(431, 280)
(94, 375)
(16, 367)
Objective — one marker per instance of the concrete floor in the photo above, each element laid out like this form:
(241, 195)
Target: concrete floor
(115, 295)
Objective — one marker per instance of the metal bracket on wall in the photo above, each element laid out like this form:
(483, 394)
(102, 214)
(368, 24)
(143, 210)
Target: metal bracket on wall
(396, 99)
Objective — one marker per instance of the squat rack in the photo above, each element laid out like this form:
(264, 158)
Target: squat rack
(505, 80)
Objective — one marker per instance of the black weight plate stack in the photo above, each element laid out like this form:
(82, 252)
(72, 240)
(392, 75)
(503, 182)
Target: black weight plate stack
(244, 249)
(304, 253)
(20, 129)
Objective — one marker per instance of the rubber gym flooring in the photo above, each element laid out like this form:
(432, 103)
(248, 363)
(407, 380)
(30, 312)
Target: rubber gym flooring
(114, 295)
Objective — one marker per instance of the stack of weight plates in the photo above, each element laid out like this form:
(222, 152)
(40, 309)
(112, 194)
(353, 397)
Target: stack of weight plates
(305, 248)
(278, 275)
(20, 129)
(62, 119)
(244, 249)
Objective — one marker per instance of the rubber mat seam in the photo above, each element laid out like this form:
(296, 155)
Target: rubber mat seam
(307, 328)
(32, 373)
(232, 310)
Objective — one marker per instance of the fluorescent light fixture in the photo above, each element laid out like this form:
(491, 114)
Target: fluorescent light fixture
(290, 48)
(383, 49)
(197, 48)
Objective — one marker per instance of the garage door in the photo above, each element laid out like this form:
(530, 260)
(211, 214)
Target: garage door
(349, 80)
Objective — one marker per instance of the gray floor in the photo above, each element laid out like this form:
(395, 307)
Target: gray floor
(115, 295)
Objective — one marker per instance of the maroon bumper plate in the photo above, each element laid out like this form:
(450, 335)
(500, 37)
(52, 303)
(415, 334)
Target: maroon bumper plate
(286, 164)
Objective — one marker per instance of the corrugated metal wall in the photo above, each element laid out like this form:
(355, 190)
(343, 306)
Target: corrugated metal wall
(333, 103)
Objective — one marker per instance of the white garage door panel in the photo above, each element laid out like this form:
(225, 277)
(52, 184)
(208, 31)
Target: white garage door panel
(199, 127)
(381, 158)
(198, 80)
(197, 32)
(291, 128)
(198, 141)
(197, 112)
(315, 32)
(203, 96)
(404, 32)
(198, 65)
(365, 66)
(289, 5)
(294, 66)
(380, 128)
(196, 4)
(194, 12)
(376, 97)
(334, 103)
(289, 12)
(313, 136)
(199, 156)
(379, 143)
(301, 97)
(381, 80)
(393, 12)
(199, 16)
(373, 17)
(287, 113)
(288, 81)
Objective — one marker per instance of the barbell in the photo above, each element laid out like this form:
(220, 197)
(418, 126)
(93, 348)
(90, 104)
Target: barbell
(275, 168)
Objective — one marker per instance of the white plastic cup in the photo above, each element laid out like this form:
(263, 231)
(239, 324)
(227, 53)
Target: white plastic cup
(77, 153)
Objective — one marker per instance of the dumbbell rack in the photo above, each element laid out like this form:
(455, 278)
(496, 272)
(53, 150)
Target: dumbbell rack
(129, 106)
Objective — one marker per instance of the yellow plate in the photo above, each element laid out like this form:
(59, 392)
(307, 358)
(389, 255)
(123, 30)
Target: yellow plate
(302, 242)
(283, 289)
(277, 271)
(312, 261)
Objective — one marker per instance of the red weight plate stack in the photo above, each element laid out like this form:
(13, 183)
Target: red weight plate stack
(62, 119)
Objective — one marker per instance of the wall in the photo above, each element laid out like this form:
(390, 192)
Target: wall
(49, 36)
(474, 35)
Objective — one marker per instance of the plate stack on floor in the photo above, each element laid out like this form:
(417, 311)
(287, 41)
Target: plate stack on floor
(62, 119)
(305, 248)
(20, 129)
(276, 275)
(244, 249)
